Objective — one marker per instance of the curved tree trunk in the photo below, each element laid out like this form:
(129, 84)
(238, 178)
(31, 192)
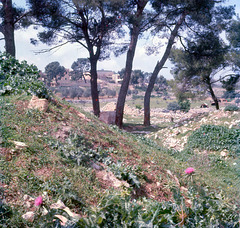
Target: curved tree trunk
(129, 62)
(157, 69)
(212, 93)
(94, 87)
(8, 27)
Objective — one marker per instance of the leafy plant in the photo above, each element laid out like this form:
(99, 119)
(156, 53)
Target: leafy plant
(184, 105)
(138, 107)
(79, 150)
(209, 209)
(173, 106)
(237, 101)
(125, 173)
(18, 77)
(213, 137)
(231, 108)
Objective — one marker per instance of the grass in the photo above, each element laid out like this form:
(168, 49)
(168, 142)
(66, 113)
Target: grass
(40, 167)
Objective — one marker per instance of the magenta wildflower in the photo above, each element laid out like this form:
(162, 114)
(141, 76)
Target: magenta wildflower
(38, 201)
(189, 170)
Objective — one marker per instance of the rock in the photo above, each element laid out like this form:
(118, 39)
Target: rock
(183, 189)
(58, 205)
(223, 154)
(108, 117)
(44, 211)
(37, 103)
(110, 178)
(28, 204)
(19, 145)
(61, 205)
(28, 198)
(29, 216)
(62, 219)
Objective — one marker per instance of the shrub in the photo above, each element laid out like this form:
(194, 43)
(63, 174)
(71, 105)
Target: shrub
(111, 92)
(237, 101)
(19, 77)
(65, 92)
(87, 92)
(138, 107)
(173, 106)
(184, 105)
(231, 108)
(229, 94)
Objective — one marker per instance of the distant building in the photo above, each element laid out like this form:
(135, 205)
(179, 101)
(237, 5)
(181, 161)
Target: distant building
(108, 75)
(105, 76)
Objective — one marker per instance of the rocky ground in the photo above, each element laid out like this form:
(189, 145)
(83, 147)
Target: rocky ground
(182, 124)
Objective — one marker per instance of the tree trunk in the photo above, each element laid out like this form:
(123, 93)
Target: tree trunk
(157, 69)
(94, 87)
(8, 27)
(212, 94)
(125, 83)
(128, 68)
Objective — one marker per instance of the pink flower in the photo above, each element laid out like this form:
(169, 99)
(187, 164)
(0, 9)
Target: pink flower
(189, 170)
(38, 201)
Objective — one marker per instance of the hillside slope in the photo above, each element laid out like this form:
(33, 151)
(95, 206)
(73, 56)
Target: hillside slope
(89, 174)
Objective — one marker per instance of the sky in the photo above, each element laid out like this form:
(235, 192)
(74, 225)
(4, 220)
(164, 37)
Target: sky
(69, 53)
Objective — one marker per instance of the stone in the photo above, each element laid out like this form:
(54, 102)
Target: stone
(29, 216)
(61, 205)
(19, 145)
(58, 205)
(63, 220)
(37, 103)
(108, 117)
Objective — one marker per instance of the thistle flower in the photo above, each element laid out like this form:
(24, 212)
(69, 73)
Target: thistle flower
(189, 170)
(38, 201)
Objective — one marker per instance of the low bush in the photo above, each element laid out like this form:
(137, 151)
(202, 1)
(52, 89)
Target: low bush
(173, 106)
(213, 137)
(231, 108)
(138, 107)
(87, 92)
(184, 105)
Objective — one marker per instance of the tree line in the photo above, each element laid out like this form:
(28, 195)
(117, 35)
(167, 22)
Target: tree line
(193, 30)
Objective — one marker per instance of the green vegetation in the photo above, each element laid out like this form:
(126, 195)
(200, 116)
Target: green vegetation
(231, 108)
(63, 169)
(109, 177)
(18, 77)
(215, 138)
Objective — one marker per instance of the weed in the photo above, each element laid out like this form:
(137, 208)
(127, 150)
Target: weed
(216, 138)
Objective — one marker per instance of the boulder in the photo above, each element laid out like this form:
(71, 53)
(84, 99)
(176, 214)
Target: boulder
(108, 117)
(37, 103)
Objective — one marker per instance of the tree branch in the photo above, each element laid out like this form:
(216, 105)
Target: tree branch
(22, 16)
(221, 78)
(50, 49)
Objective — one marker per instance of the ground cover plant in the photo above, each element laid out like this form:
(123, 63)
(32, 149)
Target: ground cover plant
(214, 137)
